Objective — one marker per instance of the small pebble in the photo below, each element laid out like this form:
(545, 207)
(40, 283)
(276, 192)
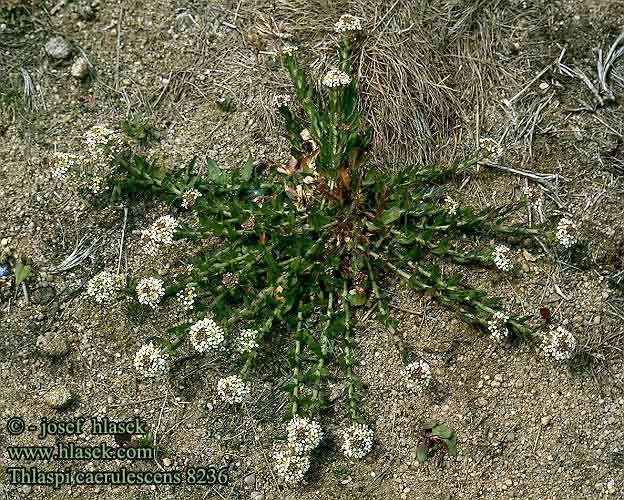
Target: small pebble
(58, 48)
(80, 68)
(546, 420)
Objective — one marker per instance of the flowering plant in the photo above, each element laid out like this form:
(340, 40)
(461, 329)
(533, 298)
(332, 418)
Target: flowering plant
(304, 245)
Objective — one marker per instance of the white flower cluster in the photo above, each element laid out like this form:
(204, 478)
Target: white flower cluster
(63, 162)
(492, 146)
(451, 205)
(281, 100)
(304, 434)
(189, 197)
(247, 340)
(150, 361)
(232, 390)
(348, 22)
(560, 344)
(99, 137)
(104, 286)
(566, 232)
(501, 260)
(290, 467)
(206, 335)
(292, 459)
(159, 233)
(497, 325)
(357, 441)
(336, 78)
(150, 291)
(186, 297)
(418, 375)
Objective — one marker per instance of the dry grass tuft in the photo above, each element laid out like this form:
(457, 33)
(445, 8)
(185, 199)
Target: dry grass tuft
(424, 65)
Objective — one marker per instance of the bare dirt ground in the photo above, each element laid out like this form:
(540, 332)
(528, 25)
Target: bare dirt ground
(435, 75)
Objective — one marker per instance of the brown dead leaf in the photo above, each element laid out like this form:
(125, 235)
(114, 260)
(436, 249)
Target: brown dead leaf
(529, 257)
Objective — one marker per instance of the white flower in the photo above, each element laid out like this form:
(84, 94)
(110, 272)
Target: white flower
(161, 232)
(290, 466)
(497, 325)
(189, 197)
(206, 335)
(501, 260)
(492, 146)
(560, 344)
(186, 297)
(451, 205)
(281, 100)
(418, 375)
(304, 434)
(566, 232)
(100, 137)
(357, 441)
(150, 361)
(232, 389)
(103, 287)
(63, 162)
(336, 78)
(348, 23)
(150, 291)
(247, 341)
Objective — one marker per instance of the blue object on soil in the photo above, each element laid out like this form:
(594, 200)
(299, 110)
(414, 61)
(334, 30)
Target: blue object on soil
(4, 271)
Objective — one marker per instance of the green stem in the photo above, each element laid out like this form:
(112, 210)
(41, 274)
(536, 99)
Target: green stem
(348, 358)
(324, 345)
(297, 366)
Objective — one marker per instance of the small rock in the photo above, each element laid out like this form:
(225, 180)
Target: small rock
(43, 295)
(544, 86)
(167, 462)
(53, 344)
(498, 377)
(80, 68)
(58, 397)
(495, 383)
(256, 495)
(546, 420)
(611, 487)
(250, 480)
(58, 48)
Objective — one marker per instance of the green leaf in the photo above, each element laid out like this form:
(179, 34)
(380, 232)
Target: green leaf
(451, 443)
(390, 215)
(357, 299)
(311, 342)
(442, 431)
(215, 173)
(22, 272)
(421, 454)
(247, 171)
(454, 281)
